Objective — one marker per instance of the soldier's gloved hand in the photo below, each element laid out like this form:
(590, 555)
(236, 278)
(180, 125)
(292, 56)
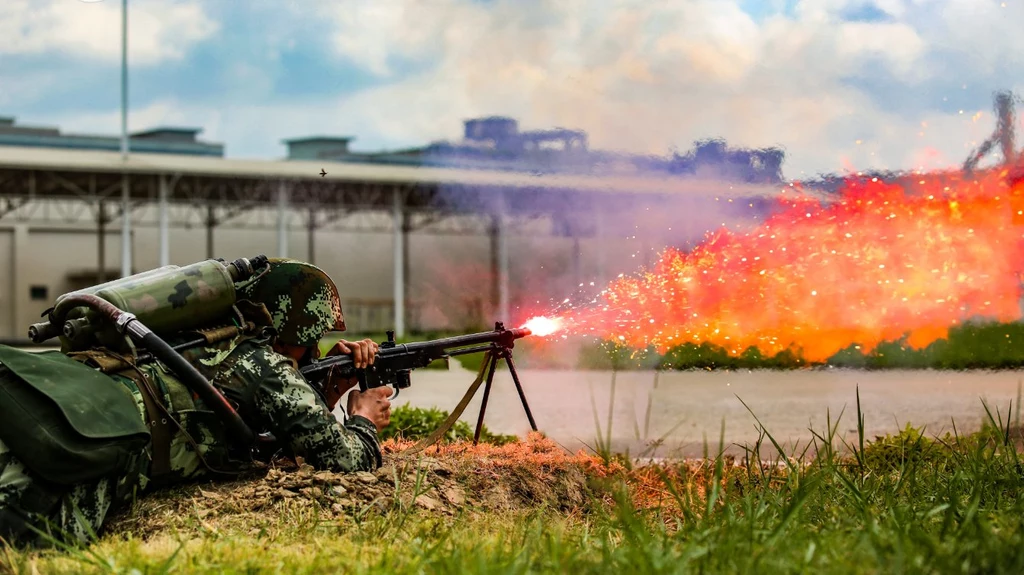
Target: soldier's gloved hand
(363, 352)
(373, 404)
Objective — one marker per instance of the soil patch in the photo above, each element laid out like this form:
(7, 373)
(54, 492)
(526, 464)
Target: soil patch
(443, 480)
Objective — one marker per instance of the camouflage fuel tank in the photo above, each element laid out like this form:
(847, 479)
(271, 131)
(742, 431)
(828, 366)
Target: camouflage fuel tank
(166, 300)
(43, 331)
(139, 276)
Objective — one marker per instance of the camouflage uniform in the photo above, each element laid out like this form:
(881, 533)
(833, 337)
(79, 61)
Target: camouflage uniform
(270, 392)
(274, 397)
(75, 512)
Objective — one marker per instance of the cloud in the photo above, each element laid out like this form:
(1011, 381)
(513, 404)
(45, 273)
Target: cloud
(649, 75)
(838, 83)
(158, 30)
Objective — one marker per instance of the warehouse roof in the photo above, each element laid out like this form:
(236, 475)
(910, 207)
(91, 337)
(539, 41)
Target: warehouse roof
(12, 157)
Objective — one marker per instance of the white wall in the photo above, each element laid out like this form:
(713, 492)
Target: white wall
(449, 275)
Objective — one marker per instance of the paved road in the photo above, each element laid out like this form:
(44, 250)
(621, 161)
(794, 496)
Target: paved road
(686, 407)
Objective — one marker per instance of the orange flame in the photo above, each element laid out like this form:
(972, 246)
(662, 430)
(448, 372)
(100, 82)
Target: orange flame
(879, 262)
(543, 326)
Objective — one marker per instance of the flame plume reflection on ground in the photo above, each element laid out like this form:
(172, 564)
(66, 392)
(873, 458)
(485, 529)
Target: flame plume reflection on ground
(879, 262)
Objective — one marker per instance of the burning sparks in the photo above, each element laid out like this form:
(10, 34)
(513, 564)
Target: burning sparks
(880, 262)
(543, 326)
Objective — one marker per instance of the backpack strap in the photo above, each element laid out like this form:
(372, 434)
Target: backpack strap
(162, 451)
(157, 420)
(159, 424)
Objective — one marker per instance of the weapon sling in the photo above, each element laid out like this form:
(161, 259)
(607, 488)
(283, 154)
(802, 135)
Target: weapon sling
(456, 413)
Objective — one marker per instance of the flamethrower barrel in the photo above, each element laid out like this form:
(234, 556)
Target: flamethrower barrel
(126, 323)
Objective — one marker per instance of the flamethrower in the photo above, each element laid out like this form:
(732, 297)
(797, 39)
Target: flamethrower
(395, 362)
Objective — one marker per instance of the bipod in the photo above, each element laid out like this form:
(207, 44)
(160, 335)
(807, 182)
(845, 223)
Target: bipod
(499, 352)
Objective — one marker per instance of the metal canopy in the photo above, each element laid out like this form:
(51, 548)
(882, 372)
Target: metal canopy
(341, 173)
(38, 184)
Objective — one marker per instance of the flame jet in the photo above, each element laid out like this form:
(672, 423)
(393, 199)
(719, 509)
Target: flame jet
(880, 262)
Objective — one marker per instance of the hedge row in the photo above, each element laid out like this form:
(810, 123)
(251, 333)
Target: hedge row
(972, 346)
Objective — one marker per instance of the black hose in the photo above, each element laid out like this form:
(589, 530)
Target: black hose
(195, 381)
(127, 323)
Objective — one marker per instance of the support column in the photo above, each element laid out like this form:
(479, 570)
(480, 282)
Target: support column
(312, 236)
(211, 221)
(101, 232)
(126, 228)
(282, 220)
(165, 244)
(495, 265)
(602, 259)
(398, 259)
(406, 274)
(21, 303)
(502, 237)
(576, 263)
(101, 243)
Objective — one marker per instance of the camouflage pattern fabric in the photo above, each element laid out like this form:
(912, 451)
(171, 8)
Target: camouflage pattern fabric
(302, 300)
(275, 398)
(164, 301)
(50, 510)
(62, 513)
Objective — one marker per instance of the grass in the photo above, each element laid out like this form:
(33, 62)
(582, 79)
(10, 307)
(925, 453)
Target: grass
(905, 503)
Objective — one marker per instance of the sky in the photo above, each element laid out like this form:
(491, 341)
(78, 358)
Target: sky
(839, 84)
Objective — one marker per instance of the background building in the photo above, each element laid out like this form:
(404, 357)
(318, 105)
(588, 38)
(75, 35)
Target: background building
(575, 219)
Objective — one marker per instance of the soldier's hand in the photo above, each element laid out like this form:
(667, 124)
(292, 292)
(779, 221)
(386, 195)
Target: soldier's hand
(337, 387)
(363, 352)
(373, 404)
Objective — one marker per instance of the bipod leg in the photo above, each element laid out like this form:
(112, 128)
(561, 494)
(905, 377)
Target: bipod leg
(493, 361)
(519, 388)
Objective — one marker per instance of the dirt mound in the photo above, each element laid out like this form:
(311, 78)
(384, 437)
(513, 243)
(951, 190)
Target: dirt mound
(443, 480)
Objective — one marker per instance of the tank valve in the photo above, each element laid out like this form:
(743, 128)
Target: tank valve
(244, 268)
(76, 327)
(42, 331)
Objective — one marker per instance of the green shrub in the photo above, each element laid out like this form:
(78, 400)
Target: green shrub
(611, 355)
(415, 423)
(473, 361)
(907, 448)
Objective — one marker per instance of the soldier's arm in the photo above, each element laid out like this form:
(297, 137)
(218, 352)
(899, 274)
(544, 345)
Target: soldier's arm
(298, 417)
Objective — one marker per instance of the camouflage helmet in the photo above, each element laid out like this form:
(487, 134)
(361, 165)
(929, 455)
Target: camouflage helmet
(301, 298)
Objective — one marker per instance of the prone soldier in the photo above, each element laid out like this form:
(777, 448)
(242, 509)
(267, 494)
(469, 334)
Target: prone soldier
(284, 313)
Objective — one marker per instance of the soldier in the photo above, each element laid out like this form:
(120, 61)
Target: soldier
(291, 307)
